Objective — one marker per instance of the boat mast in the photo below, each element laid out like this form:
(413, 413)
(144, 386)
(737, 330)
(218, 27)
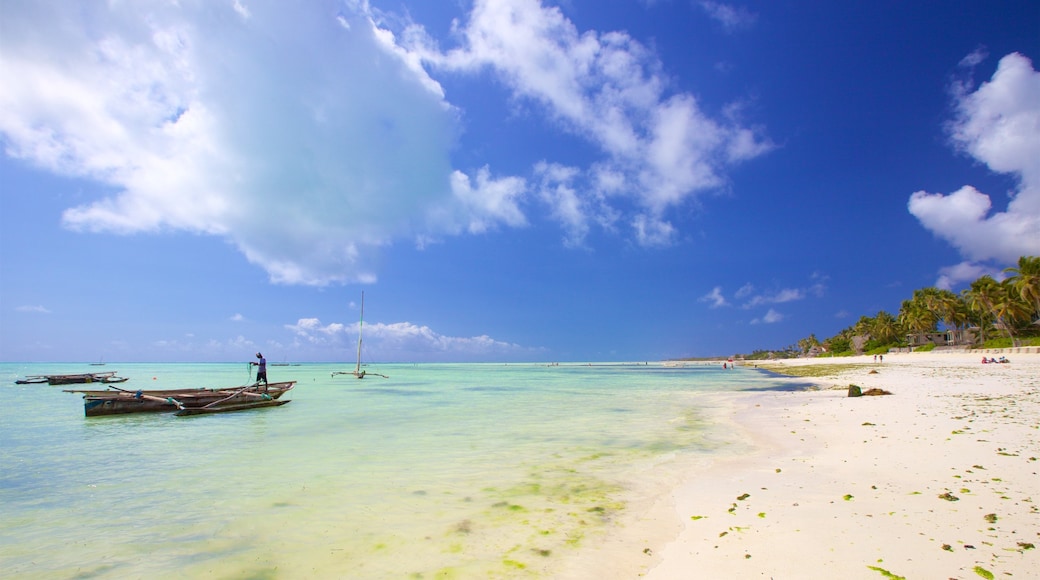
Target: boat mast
(361, 323)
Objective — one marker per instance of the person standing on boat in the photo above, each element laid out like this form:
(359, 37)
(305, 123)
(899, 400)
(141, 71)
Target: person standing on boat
(261, 369)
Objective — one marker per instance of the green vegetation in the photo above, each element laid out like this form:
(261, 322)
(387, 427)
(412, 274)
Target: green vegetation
(810, 370)
(988, 314)
(886, 573)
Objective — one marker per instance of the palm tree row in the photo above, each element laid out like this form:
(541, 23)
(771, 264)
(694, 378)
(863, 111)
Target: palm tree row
(1010, 306)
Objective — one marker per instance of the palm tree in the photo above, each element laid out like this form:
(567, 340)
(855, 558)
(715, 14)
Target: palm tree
(915, 316)
(982, 298)
(945, 305)
(807, 343)
(1011, 309)
(1025, 279)
(884, 328)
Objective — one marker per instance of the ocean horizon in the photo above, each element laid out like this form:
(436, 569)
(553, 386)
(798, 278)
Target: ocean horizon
(439, 471)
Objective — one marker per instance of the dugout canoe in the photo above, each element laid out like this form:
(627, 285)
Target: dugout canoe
(122, 401)
(76, 379)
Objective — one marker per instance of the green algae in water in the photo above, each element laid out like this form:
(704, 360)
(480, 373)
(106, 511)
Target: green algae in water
(984, 572)
(886, 573)
(418, 521)
(847, 497)
(991, 518)
(695, 518)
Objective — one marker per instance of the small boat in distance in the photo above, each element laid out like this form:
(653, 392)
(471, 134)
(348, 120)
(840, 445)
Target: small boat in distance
(106, 377)
(357, 372)
(192, 401)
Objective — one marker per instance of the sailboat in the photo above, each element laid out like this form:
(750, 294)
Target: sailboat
(357, 372)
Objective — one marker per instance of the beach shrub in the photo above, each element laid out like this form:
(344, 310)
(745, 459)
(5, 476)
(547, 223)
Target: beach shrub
(880, 348)
(925, 347)
(1006, 342)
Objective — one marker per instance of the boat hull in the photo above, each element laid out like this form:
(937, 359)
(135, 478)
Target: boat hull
(77, 379)
(227, 408)
(121, 402)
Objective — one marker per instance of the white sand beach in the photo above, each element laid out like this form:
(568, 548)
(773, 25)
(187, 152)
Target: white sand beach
(938, 480)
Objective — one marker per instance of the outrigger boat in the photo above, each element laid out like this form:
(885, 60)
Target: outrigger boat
(357, 372)
(183, 401)
(106, 377)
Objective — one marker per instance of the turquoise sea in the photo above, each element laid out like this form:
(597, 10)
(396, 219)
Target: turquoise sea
(440, 471)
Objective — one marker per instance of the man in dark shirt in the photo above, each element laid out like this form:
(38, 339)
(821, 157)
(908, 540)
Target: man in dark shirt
(261, 370)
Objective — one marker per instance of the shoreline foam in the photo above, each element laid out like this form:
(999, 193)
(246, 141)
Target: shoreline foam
(939, 480)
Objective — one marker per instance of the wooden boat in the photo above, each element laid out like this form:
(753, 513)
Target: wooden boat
(357, 372)
(120, 401)
(81, 378)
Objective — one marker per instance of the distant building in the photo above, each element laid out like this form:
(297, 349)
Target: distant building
(952, 337)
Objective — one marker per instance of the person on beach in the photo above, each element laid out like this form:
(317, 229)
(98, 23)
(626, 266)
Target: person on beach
(261, 369)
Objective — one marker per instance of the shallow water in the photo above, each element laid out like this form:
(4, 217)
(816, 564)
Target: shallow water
(439, 471)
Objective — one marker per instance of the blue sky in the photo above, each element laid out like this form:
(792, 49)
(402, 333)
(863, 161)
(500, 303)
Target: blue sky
(506, 180)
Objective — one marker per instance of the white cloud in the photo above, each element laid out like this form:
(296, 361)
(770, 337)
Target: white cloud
(951, 277)
(35, 309)
(567, 206)
(819, 285)
(999, 125)
(237, 317)
(715, 299)
(974, 58)
(311, 137)
(731, 18)
(746, 293)
(404, 341)
(307, 144)
(660, 150)
(489, 202)
(771, 317)
(779, 297)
